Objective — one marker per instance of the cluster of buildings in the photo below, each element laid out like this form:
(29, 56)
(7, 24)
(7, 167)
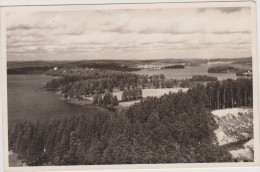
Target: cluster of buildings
(247, 74)
(154, 66)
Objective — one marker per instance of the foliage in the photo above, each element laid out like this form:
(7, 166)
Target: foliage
(203, 78)
(221, 69)
(176, 128)
(230, 93)
(107, 100)
(77, 82)
(133, 94)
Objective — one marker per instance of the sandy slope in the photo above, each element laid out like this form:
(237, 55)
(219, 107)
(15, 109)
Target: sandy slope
(236, 124)
(233, 111)
(246, 153)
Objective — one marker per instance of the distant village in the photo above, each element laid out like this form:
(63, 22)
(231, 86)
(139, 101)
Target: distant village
(160, 66)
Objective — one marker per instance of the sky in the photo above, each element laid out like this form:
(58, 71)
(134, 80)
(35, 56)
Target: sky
(129, 34)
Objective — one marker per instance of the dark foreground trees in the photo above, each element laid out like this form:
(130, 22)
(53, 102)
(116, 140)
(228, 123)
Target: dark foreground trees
(176, 128)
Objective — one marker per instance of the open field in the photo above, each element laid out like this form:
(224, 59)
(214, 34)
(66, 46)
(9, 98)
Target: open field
(153, 92)
(146, 93)
(127, 104)
(149, 93)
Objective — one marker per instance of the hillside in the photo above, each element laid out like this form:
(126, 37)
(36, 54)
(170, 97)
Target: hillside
(235, 132)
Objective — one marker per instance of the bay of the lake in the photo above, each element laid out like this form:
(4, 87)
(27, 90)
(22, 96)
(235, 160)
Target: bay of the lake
(27, 103)
(186, 72)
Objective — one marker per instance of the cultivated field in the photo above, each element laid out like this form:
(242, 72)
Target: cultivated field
(148, 93)
(153, 92)
(127, 104)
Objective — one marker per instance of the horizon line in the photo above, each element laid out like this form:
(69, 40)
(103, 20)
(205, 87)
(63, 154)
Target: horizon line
(129, 59)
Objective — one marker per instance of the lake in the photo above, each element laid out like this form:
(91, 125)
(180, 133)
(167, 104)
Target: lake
(26, 102)
(186, 72)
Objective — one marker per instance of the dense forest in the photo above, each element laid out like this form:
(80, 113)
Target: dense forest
(230, 93)
(77, 82)
(203, 78)
(220, 94)
(107, 100)
(176, 128)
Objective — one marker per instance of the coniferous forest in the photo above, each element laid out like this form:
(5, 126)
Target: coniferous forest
(113, 84)
(175, 128)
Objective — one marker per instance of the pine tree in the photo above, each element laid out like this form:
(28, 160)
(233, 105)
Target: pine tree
(115, 101)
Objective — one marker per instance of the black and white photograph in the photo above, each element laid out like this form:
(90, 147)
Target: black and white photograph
(130, 84)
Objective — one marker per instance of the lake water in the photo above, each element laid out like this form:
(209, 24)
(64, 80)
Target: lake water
(186, 72)
(26, 102)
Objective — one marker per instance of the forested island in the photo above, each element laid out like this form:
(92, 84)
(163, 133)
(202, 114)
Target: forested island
(227, 69)
(221, 69)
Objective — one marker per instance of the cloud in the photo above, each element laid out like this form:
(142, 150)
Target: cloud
(223, 9)
(140, 33)
(21, 27)
(229, 9)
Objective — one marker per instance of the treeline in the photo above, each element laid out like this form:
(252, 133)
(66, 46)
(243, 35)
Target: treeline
(174, 67)
(230, 93)
(203, 78)
(176, 128)
(79, 82)
(107, 100)
(108, 66)
(133, 94)
(27, 70)
(195, 80)
(226, 69)
(89, 81)
(221, 69)
(42, 67)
